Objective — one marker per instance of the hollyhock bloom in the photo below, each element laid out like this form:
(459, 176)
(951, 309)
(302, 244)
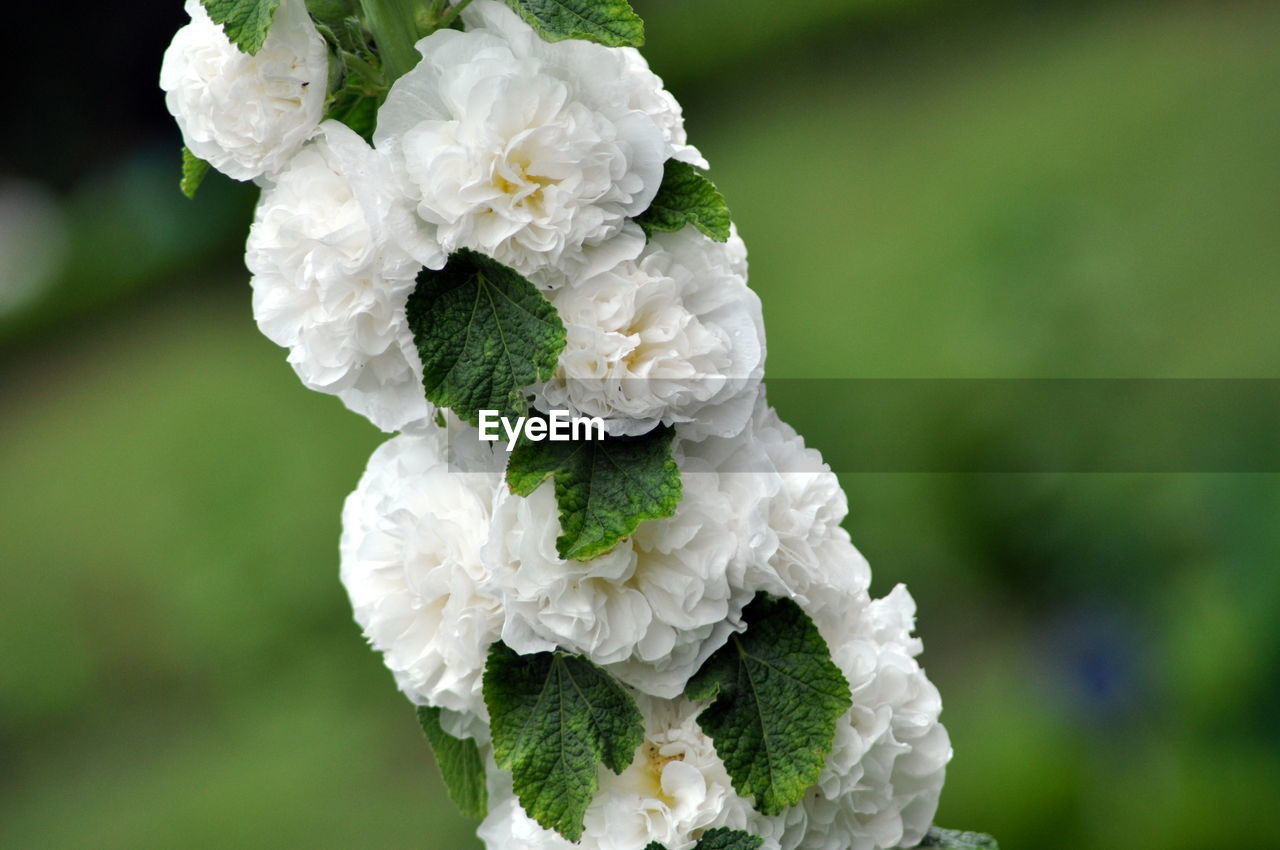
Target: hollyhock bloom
(675, 336)
(654, 608)
(329, 287)
(882, 780)
(246, 115)
(646, 92)
(411, 538)
(534, 153)
(803, 553)
(675, 788)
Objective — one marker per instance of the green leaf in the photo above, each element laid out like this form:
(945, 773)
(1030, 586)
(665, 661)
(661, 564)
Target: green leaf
(194, 170)
(721, 838)
(357, 85)
(955, 840)
(355, 104)
(331, 12)
(555, 719)
(686, 196)
(605, 488)
(610, 22)
(360, 113)
(776, 696)
(460, 765)
(484, 334)
(245, 21)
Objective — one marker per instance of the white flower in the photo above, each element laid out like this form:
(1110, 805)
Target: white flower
(411, 540)
(805, 553)
(246, 115)
(655, 607)
(883, 777)
(330, 289)
(645, 91)
(535, 153)
(675, 336)
(675, 788)
(507, 827)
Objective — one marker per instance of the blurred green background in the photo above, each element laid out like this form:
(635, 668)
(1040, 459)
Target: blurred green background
(929, 189)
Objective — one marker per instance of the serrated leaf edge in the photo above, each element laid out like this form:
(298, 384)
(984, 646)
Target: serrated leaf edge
(685, 217)
(249, 46)
(506, 758)
(618, 39)
(430, 715)
(710, 692)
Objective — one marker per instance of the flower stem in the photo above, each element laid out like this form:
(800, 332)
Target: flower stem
(395, 28)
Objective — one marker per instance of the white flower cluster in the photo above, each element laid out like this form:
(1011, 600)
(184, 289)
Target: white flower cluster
(537, 154)
(540, 155)
(441, 560)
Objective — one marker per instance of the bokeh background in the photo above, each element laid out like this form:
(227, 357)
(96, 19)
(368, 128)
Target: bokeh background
(930, 188)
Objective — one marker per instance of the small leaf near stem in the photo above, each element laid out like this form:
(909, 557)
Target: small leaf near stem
(460, 765)
(194, 170)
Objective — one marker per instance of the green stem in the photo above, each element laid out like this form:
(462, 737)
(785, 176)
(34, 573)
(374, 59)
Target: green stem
(370, 75)
(395, 28)
(453, 13)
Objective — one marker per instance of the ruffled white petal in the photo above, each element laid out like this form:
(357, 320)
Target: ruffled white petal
(529, 151)
(329, 286)
(246, 115)
(655, 607)
(884, 775)
(674, 337)
(412, 533)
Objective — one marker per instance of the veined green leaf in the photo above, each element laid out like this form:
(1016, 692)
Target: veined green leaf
(555, 719)
(604, 488)
(484, 334)
(686, 196)
(775, 697)
(460, 765)
(245, 22)
(194, 170)
(610, 22)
